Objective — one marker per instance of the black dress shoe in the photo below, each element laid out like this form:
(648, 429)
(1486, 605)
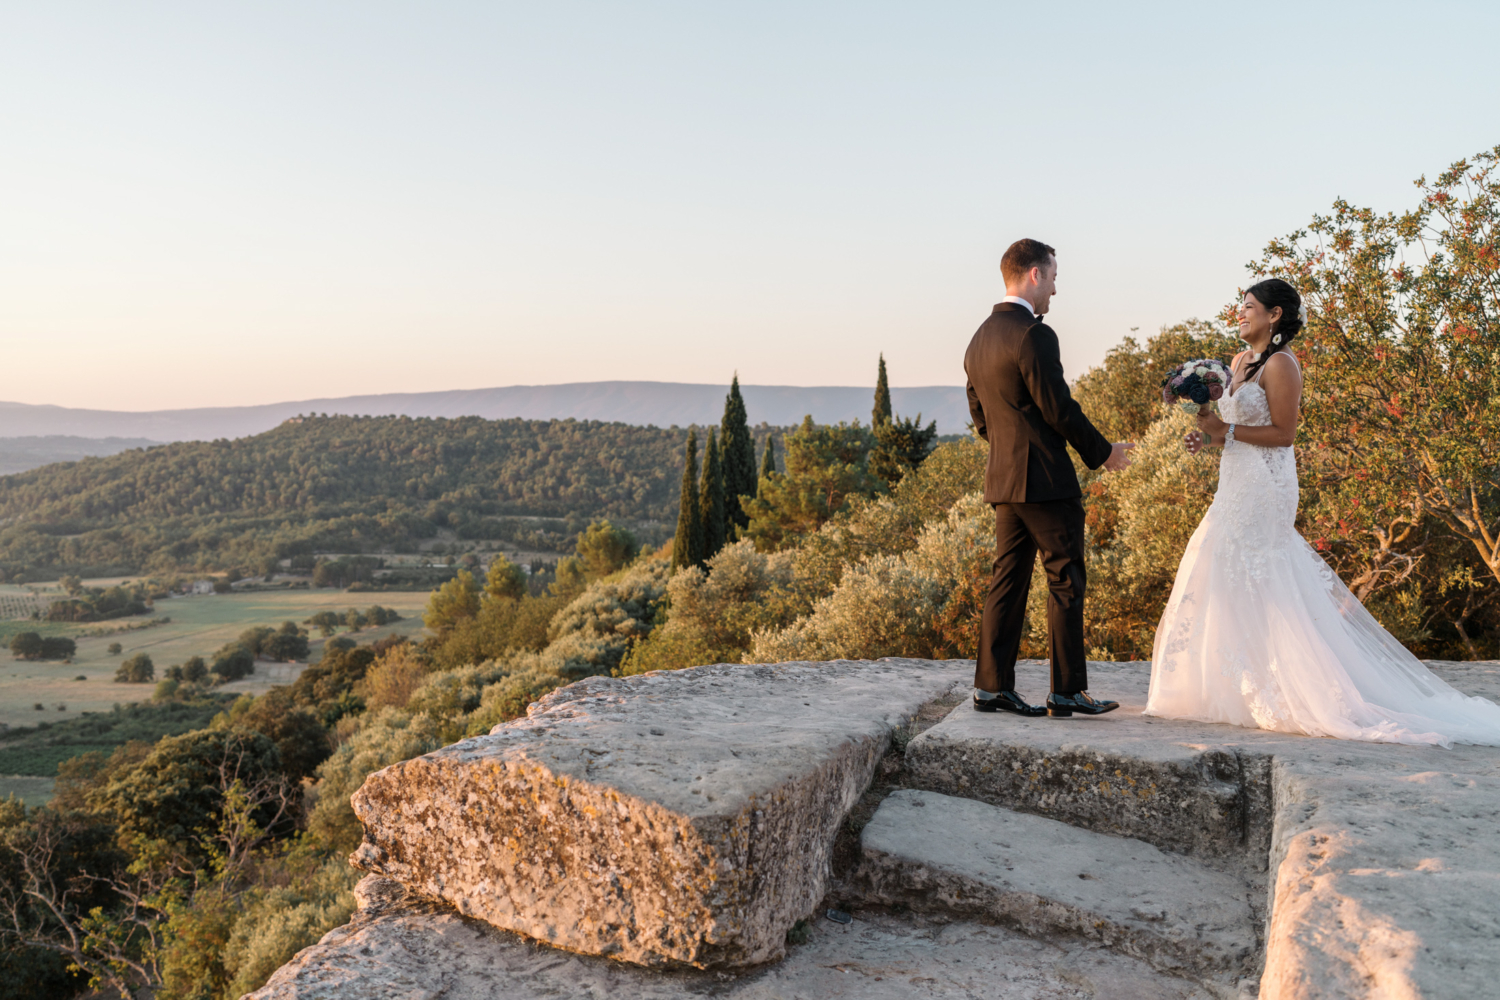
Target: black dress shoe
(1060, 706)
(1007, 701)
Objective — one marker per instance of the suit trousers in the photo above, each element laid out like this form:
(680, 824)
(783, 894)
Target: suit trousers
(1055, 529)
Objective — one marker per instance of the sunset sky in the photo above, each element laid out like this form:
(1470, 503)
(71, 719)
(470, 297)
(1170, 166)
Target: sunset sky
(233, 203)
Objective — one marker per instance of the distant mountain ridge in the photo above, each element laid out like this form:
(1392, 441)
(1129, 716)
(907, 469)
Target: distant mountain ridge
(662, 404)
(18, 454)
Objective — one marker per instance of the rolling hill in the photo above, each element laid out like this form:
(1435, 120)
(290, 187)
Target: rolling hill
(332, 484)
(659, 404)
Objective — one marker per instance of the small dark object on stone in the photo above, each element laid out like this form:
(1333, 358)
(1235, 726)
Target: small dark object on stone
(801, 932)
(840, 917)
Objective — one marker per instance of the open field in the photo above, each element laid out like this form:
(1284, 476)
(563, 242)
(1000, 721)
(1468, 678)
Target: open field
(38, 751)
(28, 788)
(200, 624)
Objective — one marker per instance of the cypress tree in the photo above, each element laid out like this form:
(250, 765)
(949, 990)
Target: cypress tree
(687, 546)
(768, 460)
(882, 412)
(737, 453)
(711, 499)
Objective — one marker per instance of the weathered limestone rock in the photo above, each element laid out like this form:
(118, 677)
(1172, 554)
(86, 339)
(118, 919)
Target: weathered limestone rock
(936, 853)
(395, 949)
(1384, 860)
(681, 817)
(1387, 876)
(1142, 781)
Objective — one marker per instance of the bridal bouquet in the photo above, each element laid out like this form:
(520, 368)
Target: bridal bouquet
(1195, 383)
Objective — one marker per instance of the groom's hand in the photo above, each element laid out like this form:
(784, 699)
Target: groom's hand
(1119, 456)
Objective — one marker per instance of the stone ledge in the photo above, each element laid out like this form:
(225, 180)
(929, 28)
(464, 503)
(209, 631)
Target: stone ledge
(680, 817)
(938, 854)
(399, 949)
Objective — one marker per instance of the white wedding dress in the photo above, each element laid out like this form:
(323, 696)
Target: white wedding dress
(1260, 632)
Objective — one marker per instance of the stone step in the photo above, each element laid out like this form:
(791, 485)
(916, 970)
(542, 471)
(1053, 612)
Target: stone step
(940, 854)
(1120, 773)
(1381, 860)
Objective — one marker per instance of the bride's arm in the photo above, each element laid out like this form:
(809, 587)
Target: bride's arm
(1282, 381)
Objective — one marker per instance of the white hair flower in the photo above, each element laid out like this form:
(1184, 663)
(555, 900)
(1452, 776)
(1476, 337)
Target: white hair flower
(1302, 312)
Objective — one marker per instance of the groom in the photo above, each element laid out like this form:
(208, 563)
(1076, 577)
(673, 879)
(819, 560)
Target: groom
(1022, 407)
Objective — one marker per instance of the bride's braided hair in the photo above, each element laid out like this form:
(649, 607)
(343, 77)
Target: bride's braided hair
(1271, 293)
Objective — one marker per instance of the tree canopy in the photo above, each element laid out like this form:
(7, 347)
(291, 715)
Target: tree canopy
(342, 484)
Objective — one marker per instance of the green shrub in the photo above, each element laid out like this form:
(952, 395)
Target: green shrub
(509, 697)
(888, 605)
(591, 634)
(826, 470)
(604, 549)
(713, 612)
(329, 683)
(504, 578)
(451, 693)
(453, 602)
(33, 646)
(393, 678)
(384, 738)
(287, 643)
(196, 945)
(137, 670)
(233, 661)
(174, 794)
(279, 922)
(299, 736)
(194, 670)
(502, 625)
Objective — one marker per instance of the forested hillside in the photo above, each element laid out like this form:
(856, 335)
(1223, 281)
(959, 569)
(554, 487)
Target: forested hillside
(344, 484)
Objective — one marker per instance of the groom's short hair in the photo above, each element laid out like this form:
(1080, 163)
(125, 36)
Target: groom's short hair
(1022, 256)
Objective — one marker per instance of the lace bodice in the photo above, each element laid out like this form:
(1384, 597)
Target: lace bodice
(1257, 485)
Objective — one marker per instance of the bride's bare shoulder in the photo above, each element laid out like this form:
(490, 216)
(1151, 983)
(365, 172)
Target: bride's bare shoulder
(1284, 362)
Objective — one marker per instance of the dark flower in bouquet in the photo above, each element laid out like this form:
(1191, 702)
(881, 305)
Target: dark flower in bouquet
(1194, 384)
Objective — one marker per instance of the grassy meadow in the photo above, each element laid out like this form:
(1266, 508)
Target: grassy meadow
(200, 624)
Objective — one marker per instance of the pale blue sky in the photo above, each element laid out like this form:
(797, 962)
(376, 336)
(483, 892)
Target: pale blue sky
(239, 203)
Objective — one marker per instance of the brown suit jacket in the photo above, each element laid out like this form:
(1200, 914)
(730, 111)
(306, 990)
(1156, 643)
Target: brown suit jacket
(1022, 406)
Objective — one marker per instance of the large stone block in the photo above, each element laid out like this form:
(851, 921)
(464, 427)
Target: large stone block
(682, 817)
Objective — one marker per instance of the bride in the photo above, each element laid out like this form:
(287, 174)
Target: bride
(1259, 632)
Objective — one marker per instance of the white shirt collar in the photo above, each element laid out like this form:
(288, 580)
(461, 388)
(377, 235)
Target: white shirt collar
(1020, 302)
